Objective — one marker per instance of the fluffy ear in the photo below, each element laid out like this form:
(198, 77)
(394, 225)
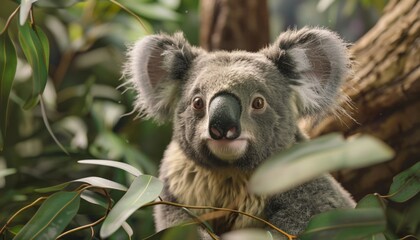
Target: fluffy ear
(156, 69)
(316, 62)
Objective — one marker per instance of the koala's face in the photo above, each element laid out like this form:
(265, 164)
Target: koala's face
(235, 109)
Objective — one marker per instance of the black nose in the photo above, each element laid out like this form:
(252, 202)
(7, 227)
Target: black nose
(224, 117)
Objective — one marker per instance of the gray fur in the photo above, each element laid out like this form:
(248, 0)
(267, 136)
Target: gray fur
(298, 75)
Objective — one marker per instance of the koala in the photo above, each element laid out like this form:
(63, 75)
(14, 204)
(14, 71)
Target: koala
(230, 112)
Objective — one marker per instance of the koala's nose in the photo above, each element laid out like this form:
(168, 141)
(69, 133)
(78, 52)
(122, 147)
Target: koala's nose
(224, 117)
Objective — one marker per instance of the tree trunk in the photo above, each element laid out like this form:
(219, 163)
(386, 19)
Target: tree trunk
(385, 96)
(234, 24)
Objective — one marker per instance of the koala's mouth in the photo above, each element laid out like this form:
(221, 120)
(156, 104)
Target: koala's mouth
(228, 150)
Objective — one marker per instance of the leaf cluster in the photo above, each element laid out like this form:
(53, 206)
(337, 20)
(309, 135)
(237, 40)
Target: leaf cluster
(375, 216)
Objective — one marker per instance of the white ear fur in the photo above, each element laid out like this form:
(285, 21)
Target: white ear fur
(322, 62)
(155, 65)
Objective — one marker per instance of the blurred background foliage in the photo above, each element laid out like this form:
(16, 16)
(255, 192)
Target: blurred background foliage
(84, 105)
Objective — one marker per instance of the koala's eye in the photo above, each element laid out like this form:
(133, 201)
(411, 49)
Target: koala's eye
(258, 103)
(198, 103)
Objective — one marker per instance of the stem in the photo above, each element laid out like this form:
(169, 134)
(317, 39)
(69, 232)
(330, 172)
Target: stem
(289, 236)
(202, 223)
(90, 225)
(132, 14)
(408, 236)
(10, 19)
(21, 210)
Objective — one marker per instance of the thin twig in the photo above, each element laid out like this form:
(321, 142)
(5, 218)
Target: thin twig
(408, 236)
(202, 223)
(289, 236)
(133, 14)
(90, 225)
(9, 20)
(21, 210)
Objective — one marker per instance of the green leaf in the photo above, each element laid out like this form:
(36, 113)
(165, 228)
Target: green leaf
(371, 201)
(56, 3)
(94, 198)
(45, 45)
(406, 184)
(97, 199)
(144, 189)
(405, 219)
(248, 234)
(185, 231)
(8, 62)
(54, 188)
(52, 217)
(345, 224)
(32, 43)
(124, 166)
(94, 181)
(305, 161)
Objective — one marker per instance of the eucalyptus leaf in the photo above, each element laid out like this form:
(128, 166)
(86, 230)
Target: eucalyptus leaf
(54, 188)
(371, 201)
(94, 198)
(45, 45)
(94, 181)
(345, 224)
(33, 48)
(52, 217)
(102, 183)
(127, 228)
(124, 166)
(97, 199)
(406, 184)
(8, 63)
(305, 161)
(185, 231)
(144, 189)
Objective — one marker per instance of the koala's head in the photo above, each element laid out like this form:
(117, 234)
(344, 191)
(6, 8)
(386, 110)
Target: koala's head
(235, 109)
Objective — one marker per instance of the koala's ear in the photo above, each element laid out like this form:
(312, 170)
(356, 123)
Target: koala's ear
(156, 69)
(316, 62)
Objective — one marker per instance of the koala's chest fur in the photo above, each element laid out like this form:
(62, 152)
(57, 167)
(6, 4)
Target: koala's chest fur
(194, 185)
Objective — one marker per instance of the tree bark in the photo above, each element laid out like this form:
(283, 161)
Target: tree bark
(385, 96)
(234, 24)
